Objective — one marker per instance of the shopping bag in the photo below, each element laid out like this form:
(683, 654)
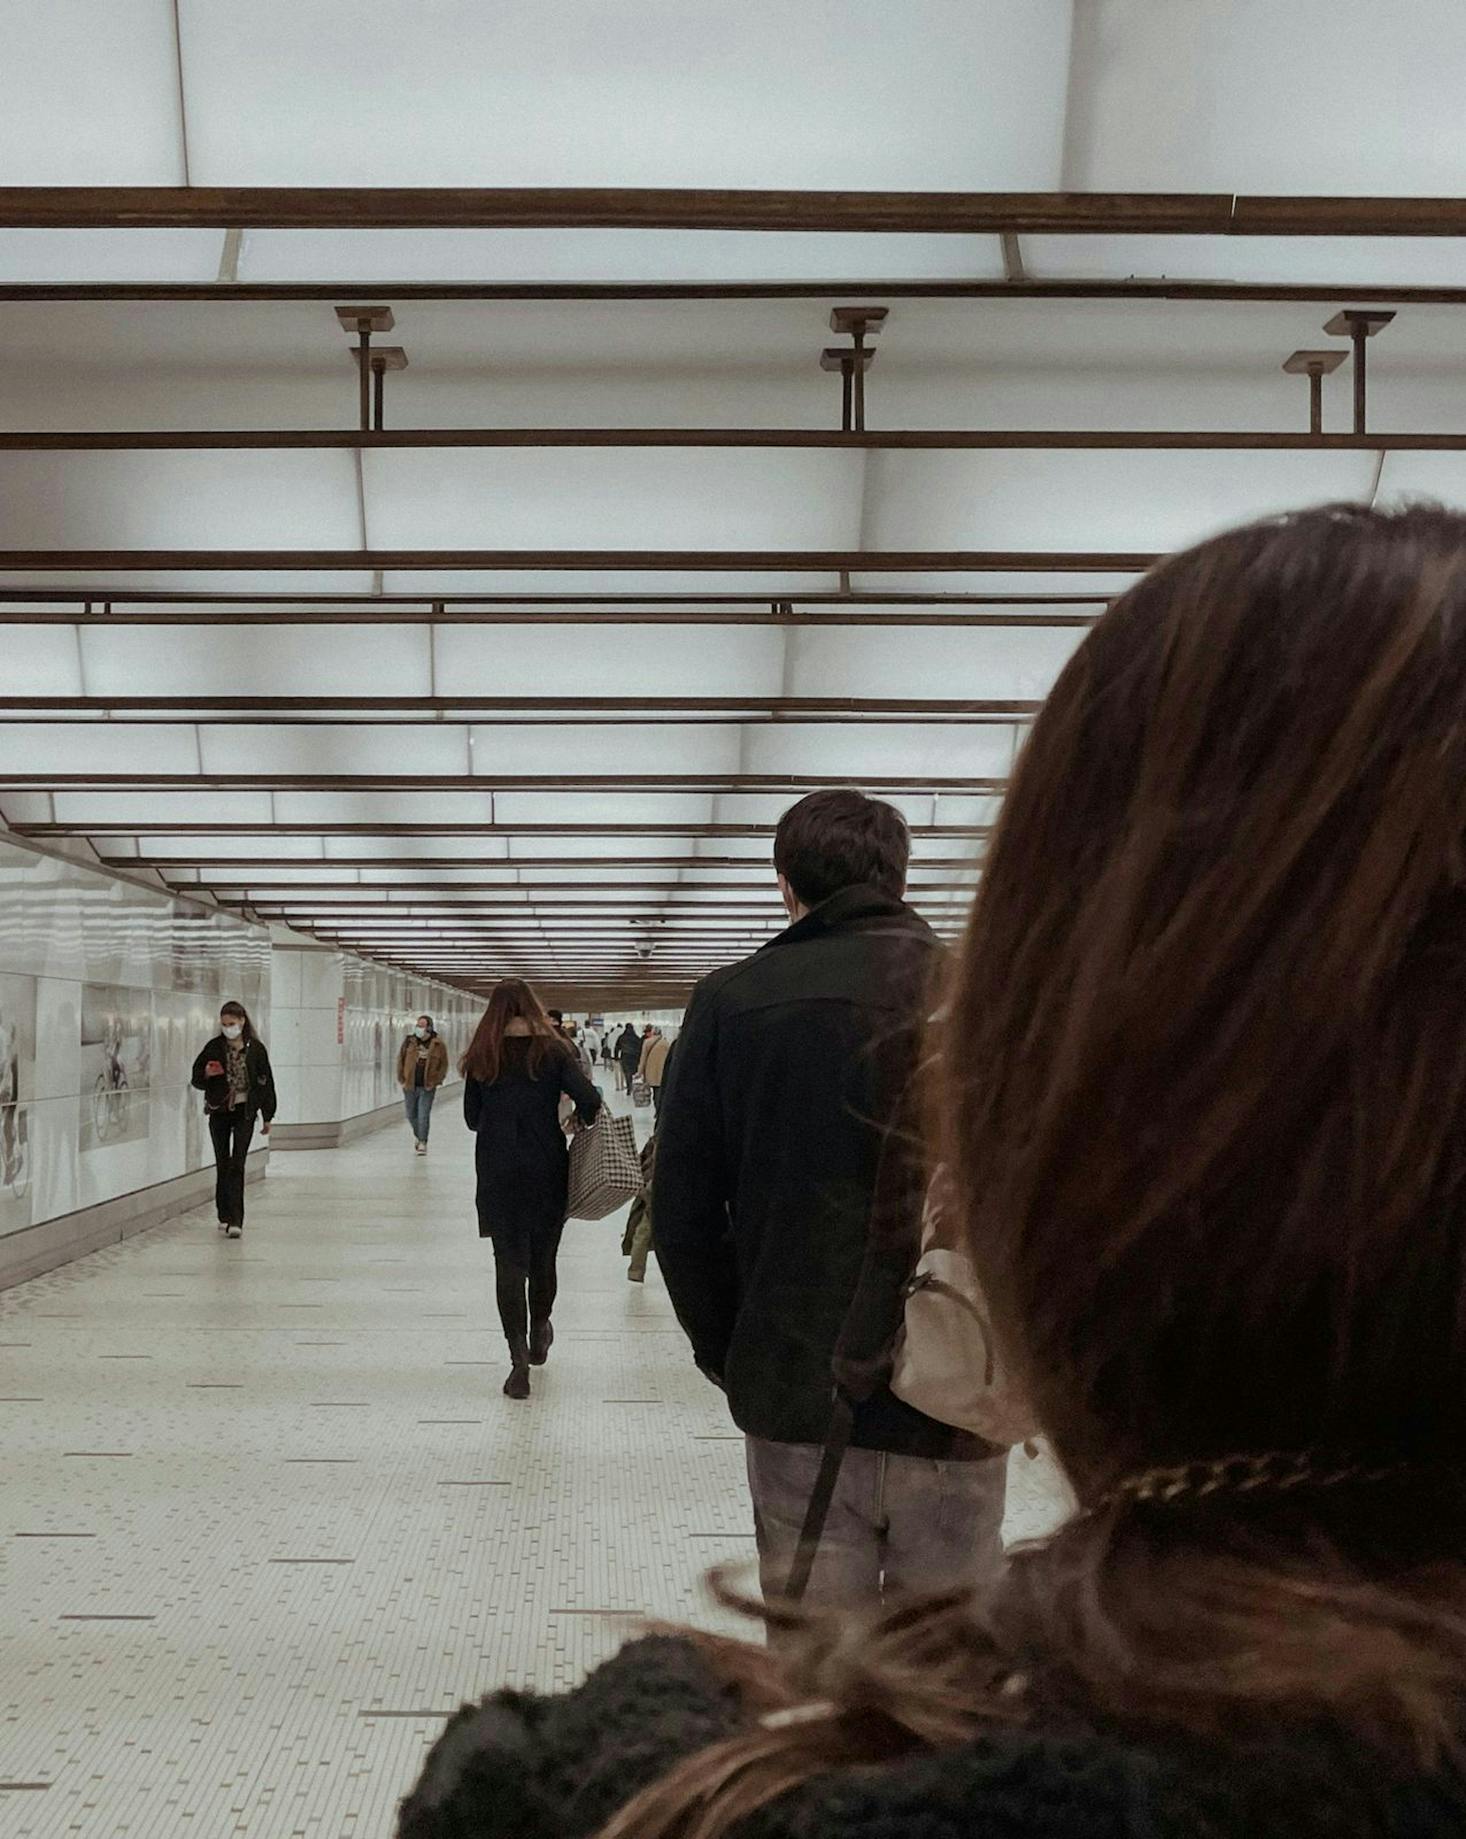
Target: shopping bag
(605, 1170)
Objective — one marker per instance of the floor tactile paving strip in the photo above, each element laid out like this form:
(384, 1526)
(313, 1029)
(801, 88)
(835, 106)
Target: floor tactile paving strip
(198, 1642)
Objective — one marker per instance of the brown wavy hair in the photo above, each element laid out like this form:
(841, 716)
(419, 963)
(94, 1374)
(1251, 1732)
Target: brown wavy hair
(1203, 1089)
(513, 1000)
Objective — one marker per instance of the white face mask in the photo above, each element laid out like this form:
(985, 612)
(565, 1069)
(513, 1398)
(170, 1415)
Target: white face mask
(233, 1030)
(423, 1034)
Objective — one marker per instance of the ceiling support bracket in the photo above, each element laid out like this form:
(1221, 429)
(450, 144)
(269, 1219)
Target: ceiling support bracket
(1359, 324)
(1315, 365)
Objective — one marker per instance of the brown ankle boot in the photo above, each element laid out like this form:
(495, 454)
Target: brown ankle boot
(541, 1338)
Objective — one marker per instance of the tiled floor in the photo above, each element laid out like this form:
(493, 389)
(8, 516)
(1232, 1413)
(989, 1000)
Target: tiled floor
(265, 1517)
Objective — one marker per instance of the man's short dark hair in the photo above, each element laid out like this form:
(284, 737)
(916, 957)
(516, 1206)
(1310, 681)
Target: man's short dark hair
(842, 839)
(557, 1016)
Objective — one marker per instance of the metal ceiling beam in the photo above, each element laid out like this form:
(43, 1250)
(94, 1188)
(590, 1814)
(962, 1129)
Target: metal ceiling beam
(1172, 290)
(489, 783)
(600, 561)
(959, 213)
(242, 864)
(948, 439)
(324, 828)
(1007, 708)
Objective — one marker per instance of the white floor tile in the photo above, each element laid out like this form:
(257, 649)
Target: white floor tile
(265, 1517)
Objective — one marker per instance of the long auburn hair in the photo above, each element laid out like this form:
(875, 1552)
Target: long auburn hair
(513, 1000)
(1203, 1092)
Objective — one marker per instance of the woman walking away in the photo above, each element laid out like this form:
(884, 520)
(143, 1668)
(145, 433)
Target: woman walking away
(233, 1073)
(1202, 1085)
(422, 1066)
(516, 1070)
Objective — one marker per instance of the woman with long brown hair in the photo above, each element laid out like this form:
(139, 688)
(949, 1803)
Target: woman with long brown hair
(1203, 1092)
(516, 1070)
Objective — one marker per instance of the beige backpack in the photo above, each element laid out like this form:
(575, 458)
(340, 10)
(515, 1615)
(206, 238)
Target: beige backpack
(947, 1362)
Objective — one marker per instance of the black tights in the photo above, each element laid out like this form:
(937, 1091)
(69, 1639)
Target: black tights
(526, 1292)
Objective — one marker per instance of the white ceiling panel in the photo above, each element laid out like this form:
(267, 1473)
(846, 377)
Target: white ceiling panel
(1326, 96)
(610, 661)
(616, 498)
(96, 747)
(769, 807)
(383, 807)
(205, 500)
(144, 808)
(837, 93)
(91, 95)
(670, 808)
(648, 747)
(229, 851)
(1349, 261)
(35, 256)
(25, 807)
(608, 255)
(1438, 476)
(941, 750)
(255, 661)
(37, 661)
(335, 747)
(526, 849)
(471, 848)
(1089, 500)
(984, 663)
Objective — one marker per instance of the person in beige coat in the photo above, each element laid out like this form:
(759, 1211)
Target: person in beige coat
(422, 1066)
(654, 1065)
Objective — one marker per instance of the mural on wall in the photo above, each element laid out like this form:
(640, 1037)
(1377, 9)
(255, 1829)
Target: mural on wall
(116, 1065)
(17, 1089)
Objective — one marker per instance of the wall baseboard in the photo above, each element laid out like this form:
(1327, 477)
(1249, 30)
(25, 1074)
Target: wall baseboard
(46, 1246)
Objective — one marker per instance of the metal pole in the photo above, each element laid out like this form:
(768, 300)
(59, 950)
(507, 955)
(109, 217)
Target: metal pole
(1361, 340)
(846, 399)
(365, 362)
(1315, 402)
(379, 373)
(859, 338)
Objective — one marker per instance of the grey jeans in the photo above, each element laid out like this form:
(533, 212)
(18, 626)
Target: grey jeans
(417, 1101)
(897, 1524)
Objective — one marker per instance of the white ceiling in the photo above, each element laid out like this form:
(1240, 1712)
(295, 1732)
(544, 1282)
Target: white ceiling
(583, 831)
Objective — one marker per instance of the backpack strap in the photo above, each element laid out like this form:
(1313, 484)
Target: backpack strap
(842, 1428)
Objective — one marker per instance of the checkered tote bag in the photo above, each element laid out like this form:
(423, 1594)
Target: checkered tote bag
(605, 1170)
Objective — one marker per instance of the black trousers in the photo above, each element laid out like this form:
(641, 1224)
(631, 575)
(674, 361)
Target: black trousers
(231, 1132)
(525, 1287)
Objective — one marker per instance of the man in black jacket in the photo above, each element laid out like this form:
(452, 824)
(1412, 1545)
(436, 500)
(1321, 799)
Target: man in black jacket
(789, 1066)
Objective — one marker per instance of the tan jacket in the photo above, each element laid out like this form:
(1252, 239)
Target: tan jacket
(437, 1067)
(654, 1059)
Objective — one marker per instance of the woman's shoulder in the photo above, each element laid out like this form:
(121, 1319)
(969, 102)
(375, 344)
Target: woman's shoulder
(560, 1768)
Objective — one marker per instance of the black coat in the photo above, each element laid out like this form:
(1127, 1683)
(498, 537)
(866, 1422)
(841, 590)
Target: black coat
(522, 1767)
(521, 1157)
(261, 1077)
(768, 1149)
(628, 1052)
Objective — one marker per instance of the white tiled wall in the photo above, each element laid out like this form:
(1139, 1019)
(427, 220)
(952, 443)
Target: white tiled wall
(337, 1024)
(84, 956)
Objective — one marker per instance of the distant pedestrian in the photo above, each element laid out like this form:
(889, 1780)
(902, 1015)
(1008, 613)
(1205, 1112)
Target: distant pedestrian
(516, 1071)
(654, 1066)
(422, 1066)
(233, 1073)
(628, 1052)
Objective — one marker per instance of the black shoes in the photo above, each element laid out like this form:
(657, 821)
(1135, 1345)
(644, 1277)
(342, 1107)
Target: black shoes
(517, 1384)
(541, 1339)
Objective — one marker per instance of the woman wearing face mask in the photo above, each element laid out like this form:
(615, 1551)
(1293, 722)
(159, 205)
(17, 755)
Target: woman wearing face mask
(233, 1073)
(422, 1066)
